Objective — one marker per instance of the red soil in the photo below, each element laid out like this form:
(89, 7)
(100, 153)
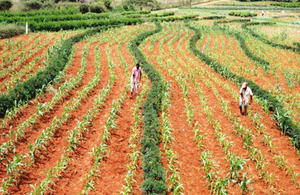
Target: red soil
(184, 144)
(113, 168)
(224, 121)
(276, 134)
(49, 157)
(71, 181)
(30, 44)
(39, 53)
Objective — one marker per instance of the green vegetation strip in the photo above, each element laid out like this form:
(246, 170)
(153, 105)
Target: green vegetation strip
(281, 4)
(27, 90)
(79, 16)
(40, 12)
(154, 173)
(296, 10)
(244, 26)
(242, 14)
(89, 20)
(280, 115)
(265, 64)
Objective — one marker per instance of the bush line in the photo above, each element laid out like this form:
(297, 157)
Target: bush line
(40, 12)
(248, 52)
(244, 26)
(89, 23)
(154, 173)
(212, 17)
(79, 16)
(242, 14)
(77, 24)
(241, 8)
(27, 90)
(280, 115)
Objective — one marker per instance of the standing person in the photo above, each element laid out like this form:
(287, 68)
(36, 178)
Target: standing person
(136, 76)
(245, 97)
(262, 13)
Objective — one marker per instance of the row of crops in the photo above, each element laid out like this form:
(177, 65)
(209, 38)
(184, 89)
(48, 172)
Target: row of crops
(55, 21)
(189, 73)
(87, 100)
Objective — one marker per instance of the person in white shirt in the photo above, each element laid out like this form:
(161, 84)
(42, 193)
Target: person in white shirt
(245, 97)
(136, 76)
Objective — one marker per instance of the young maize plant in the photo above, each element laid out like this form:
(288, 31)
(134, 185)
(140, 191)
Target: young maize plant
(246, 134)
(255, 118)
(9, 57)
(25, 56)
(189, 108)
(175, 185)
(111, 125)
(49, 132)
(100, 151)
(217, 185)
(41, 110)
(15, 77)
(247, 138)
(11, 114)
(137, 116)
(133, 140)
(225, 144)
(77, 132)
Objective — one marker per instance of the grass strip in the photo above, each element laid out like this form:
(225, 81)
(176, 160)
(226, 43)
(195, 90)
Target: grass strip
(154, 173)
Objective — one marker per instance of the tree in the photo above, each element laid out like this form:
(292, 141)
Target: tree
(5, 5)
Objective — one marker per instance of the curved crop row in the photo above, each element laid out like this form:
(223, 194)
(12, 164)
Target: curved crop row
(28, 89)
(154, 176)
(281, 80)
(244, 26)
(282, 118)
(248, 52)
(265, 172)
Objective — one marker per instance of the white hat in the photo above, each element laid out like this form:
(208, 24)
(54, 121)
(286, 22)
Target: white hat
(245, 84)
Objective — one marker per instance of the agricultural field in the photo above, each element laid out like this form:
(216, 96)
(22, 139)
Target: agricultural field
(83, 133)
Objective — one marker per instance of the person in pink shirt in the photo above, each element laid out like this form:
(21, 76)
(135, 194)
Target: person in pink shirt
(136, 76)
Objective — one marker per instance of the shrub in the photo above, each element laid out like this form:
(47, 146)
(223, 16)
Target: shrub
(291, 5)
(242, 14)
(48, 5)
(131, 7)
(107, 4)
(97, 8)
(125, 7)
(8, 31)
(33, 5)
(5, 5)
(84, 8)
(119, 9)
